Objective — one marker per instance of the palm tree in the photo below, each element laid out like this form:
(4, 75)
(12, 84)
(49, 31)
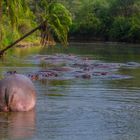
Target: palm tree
(55, 21)
(10, 13)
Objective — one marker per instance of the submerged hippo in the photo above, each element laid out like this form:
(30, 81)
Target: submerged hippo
(17, 93)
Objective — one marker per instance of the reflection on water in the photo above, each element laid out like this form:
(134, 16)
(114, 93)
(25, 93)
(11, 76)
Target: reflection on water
(17, 125)
(79, 109)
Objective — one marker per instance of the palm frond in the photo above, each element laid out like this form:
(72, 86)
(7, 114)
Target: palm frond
(59, 20)
(14, 9)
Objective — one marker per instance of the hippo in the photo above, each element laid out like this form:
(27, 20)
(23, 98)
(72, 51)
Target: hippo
(17, 93)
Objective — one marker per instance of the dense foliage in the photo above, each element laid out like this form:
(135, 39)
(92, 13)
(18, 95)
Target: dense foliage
(18, 17)
(103, 20)
(109, 20)
(15, 19)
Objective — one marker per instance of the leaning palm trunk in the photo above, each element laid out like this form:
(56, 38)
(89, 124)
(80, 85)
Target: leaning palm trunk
(57, 22)
(43, 38)
(18, 40)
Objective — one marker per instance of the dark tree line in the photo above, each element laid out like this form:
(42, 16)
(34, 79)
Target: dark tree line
(108, 20)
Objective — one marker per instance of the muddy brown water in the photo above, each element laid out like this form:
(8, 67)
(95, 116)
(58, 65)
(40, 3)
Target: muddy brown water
(99, 108)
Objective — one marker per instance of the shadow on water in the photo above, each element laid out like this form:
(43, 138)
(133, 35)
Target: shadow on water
(17, 125)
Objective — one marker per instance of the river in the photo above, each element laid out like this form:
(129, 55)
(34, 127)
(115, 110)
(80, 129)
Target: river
(78, 109)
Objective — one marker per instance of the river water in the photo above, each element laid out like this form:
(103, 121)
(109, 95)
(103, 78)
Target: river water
(78, 109)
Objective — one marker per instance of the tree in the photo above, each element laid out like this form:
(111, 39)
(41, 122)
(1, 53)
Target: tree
(107, 20)
(58, 20)
(122, 7)
(12, 14)
(120, 29)
(55, 20)
(125, 20)
(86, 23)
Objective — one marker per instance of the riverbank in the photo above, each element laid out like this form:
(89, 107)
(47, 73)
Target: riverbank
(26, 44)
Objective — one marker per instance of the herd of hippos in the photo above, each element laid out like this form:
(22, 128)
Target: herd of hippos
(17, 92)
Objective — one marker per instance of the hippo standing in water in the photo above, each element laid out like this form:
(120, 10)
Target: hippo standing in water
(17, 93)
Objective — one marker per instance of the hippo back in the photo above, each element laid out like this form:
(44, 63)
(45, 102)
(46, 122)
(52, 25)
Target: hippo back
(17, 93)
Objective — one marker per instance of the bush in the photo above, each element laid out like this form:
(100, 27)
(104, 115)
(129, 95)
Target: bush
(120, 29)
(135, 29)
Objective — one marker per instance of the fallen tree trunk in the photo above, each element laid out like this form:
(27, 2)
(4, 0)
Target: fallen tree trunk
(18, 40)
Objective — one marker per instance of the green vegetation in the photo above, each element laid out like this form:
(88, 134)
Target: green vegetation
(93, 20)
(15, 18)
(108, 20)
(18, 17)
